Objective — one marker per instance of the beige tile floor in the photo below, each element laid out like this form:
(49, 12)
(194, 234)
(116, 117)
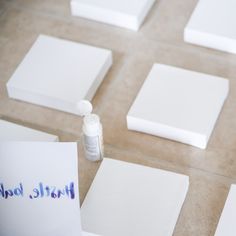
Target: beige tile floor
(160, 39)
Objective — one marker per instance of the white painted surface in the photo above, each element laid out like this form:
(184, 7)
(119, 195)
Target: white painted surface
(227, 226)
(213, 25)
(13, 132)
(121, 13)
(128, 199)
(58, 74)
(178, 104)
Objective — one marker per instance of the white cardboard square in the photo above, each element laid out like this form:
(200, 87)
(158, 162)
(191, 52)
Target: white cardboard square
(58, 73)
(227, 226)
(213, 25)
(40, 213)
(129, 199)
(13, 132)
(178, 104)
(119, 13)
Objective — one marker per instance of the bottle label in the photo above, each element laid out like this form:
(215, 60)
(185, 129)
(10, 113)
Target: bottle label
(92, 147)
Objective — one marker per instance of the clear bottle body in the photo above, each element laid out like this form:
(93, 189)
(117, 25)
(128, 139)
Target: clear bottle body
(92, 137)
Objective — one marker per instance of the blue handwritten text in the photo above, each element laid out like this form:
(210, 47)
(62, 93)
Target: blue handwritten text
(11, 192)
(53, 192)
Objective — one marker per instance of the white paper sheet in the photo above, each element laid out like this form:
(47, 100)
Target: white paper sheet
(43, 179)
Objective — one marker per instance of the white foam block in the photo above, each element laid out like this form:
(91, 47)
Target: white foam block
(13, 132)
(213, 25)
(58, 74)
(128, 199)
(178, 104)
(120, 13)
(227, 226)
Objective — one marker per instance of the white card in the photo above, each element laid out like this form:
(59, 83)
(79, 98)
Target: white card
(58, 73)
(227, 226)
(13, 132)
(39, 193)
(119, 13)
(178, 104)
(128, 199)
(213, 25)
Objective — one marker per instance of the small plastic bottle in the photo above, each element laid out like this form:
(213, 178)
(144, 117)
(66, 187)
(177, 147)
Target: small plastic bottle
(92, 137)
(92, 131)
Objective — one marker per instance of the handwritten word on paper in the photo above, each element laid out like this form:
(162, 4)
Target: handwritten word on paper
(40, 191)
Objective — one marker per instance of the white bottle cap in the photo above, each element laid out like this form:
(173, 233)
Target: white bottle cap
(84, 107)
(91, 124)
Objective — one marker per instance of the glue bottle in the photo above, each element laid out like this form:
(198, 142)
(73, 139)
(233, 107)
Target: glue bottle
(91, 132)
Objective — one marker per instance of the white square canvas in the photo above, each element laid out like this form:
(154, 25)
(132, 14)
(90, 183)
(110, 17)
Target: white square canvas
(213, 25)
(13, 132)
(178, 104)
(121, 13)
(39, 189)
(129, 199)
(58, 73)
(227, 226)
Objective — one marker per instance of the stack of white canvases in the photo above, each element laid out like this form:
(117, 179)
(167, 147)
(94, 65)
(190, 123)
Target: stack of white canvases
(178, 104)
(120, 13)
(213, 25)
(124, 199)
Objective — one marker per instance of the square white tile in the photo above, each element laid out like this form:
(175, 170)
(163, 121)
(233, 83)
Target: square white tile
(58, 73)
(213, 25)
(227, 226)
(13, 132)
(121, 13)
(129, 199)
(178, 104)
